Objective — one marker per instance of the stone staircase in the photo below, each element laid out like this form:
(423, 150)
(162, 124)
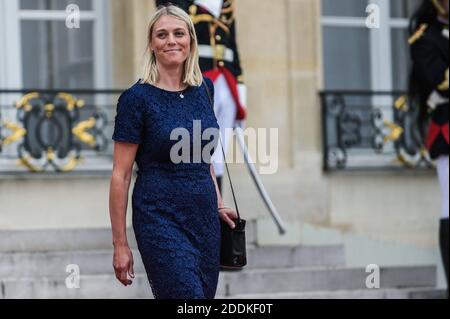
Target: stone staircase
(33, 265)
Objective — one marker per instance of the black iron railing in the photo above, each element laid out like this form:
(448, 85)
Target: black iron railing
(371, 131)
(56, 130)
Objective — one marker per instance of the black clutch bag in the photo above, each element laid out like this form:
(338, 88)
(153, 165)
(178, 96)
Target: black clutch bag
(233, 252)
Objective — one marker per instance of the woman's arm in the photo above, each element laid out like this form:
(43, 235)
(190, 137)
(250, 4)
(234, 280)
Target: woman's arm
(219, 196)
(124, 156)
(227, 214)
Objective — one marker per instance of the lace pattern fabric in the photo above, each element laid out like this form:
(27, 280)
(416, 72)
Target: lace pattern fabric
(175, 215)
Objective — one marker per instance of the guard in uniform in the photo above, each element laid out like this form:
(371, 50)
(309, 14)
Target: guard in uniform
(183, 4)
(215, 25)
(429, 86)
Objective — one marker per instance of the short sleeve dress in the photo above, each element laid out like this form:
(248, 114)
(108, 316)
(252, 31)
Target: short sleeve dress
(175, 216)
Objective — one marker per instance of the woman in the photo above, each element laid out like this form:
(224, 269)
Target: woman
(429, 88)
(176, 206)
(215, 24)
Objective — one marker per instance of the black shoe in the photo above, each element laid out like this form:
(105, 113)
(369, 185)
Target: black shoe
(443, 241)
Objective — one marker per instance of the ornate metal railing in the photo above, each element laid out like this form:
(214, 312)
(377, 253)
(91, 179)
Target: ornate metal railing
(371, 131)
(56, 130)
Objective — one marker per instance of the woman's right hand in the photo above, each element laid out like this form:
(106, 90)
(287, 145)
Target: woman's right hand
(123, 264)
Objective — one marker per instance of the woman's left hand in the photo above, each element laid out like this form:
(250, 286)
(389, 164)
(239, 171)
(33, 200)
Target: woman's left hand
(228, 214)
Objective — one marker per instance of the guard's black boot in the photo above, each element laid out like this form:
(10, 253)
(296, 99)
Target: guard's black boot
(443, 234)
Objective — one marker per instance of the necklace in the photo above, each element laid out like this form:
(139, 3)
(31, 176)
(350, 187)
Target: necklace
(182, 92)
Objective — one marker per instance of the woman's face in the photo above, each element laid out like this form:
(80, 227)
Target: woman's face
(171, 41)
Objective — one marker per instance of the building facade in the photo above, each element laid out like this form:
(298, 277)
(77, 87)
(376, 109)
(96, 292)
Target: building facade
(291, 50)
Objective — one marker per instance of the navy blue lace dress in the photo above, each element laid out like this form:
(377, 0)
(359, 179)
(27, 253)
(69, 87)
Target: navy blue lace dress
(175, 216)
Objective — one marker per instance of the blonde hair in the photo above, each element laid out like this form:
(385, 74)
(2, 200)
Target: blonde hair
(192, 74)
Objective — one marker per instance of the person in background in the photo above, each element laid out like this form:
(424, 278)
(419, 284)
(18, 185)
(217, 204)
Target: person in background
(429, 89)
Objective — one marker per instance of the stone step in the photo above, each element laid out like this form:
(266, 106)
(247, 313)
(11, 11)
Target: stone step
(91, 287)
(74, 239)
(407, 293)
(322, 279)
(248, 282)
(37, 264)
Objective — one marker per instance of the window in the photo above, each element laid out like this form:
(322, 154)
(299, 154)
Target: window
(38, 51)
(41, 52)
(358, 58)
(60, 5)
